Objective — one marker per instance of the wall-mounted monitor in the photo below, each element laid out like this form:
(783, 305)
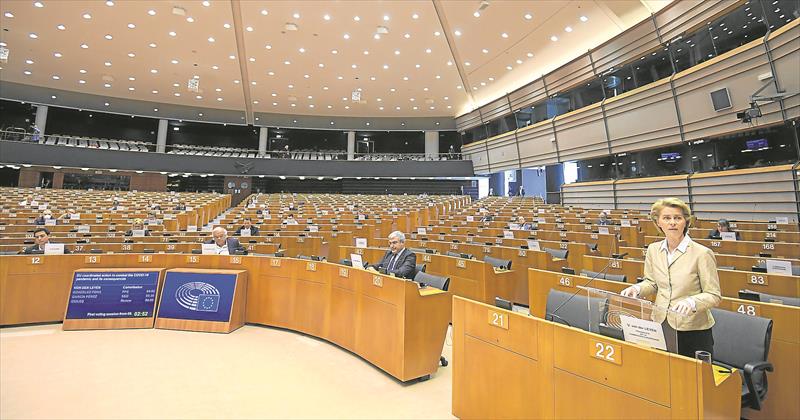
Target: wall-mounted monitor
(757, 144)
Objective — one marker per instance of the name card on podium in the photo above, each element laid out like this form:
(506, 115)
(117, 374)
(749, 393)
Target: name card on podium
(112, 299)
(202, 300)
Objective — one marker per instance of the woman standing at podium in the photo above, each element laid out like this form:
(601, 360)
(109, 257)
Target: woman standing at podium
(683, 276)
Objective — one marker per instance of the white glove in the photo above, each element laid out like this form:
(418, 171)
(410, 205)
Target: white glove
(631, 291)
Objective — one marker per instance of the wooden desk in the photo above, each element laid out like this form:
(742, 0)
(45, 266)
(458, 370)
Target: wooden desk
(389, 322)
(473, 279)
(531, 368)
(781, 402)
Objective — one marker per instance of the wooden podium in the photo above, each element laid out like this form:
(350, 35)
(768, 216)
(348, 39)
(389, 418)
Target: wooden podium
(203, 300)
(511, 365)
(112, 298)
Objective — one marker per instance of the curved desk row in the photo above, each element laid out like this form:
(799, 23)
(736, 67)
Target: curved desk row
(389, 322)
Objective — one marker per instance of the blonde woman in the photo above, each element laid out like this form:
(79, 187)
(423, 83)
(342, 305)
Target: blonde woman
(683, 276)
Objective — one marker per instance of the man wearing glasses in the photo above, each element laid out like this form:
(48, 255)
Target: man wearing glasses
(398, 260)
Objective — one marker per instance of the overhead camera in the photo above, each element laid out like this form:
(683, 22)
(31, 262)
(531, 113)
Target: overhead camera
(748, 114)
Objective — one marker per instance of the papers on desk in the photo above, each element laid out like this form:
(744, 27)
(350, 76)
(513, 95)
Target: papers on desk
(625, 222)
(41, 206)
(514, 226)
(53, 249)
(727, 236)
(603, 230)
(361, 242)
(50, 222)
(470, 218)
(191, 228)
(76, 216)
(508, 234)
(779, 267)
(137, 233)
(313, 228)
(534, 245)
(244, 232)
(84, 229)
(209, 249)
(782, 220)
(421, 231)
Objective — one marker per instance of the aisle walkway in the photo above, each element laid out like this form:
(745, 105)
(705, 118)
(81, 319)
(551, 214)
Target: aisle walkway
(255, 372)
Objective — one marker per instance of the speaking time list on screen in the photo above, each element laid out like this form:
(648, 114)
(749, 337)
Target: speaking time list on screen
(112, 294)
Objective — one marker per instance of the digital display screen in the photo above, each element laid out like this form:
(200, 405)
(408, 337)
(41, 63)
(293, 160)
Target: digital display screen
(670, 156)
(756, 144)
(112, 294)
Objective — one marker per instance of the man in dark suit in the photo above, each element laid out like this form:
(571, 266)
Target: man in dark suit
(41, 237)
(224, 244)
(247, 226)
(399, 260)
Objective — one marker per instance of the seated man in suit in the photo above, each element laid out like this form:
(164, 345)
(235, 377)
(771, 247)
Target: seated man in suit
(138, 224)
(225, 245)
(603, 220)
(290, 220)
(180, 206)
(248, 228)
(399, 260)
(41, 237)
(523, 225)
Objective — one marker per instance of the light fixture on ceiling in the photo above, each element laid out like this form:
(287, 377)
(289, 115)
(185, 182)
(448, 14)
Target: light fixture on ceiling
(289, 26)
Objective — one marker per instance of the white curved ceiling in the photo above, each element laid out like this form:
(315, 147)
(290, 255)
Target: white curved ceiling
(436, 58)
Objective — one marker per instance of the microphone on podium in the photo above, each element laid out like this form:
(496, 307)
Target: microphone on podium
(554, 314)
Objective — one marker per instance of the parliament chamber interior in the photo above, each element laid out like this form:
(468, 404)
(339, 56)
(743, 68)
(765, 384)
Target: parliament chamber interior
(483, 209)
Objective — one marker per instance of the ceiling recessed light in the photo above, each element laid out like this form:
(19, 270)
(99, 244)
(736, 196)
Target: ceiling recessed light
(61, 27)
(296, 15)
(438, 76)
(56, 77)
(155, 92)
(302, 50)
(415, 16)
(346, 36)
(206, 3)
(151, 12)
(356, 18)
(190, 19)
(334, 52)
(131, 78)
(211, 39)
(339, 77)
(108, 85)
(437, 33)
(528, 16)
(264, 12)
(385, 18)
(131, 88)
(376, 36)
(396, 52)
(519, 61)
(584, 18)
(568, 29)
(509, 67)
(131, 26)
(87, 16)
(177, 94)
(82, 71)
(27, 72)
(153, 71)
(153, 45)
(33, 35)
(176, 85)
(53, 97)
(406, 36)
(107, 64)
(449, 63)
(529, 55)
(355, 66)
(485, 51)
(287, 62)
(8, 14)
(252, 59)
(108, 37)
(467, 63)
(457, 32)
(249, 29)
(504, 35)
(554, 38)
(253, 83)
(226, 25)
(38, 4)
(131, 55)
(173, 33)
(306, 76)
(405, 78)
(198, 97)
(366, 52)
(327, 17)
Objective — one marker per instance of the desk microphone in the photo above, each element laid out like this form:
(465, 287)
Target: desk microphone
(555, 311)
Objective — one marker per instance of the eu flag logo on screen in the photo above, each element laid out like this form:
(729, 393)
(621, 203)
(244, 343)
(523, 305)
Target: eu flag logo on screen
(208, 303)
